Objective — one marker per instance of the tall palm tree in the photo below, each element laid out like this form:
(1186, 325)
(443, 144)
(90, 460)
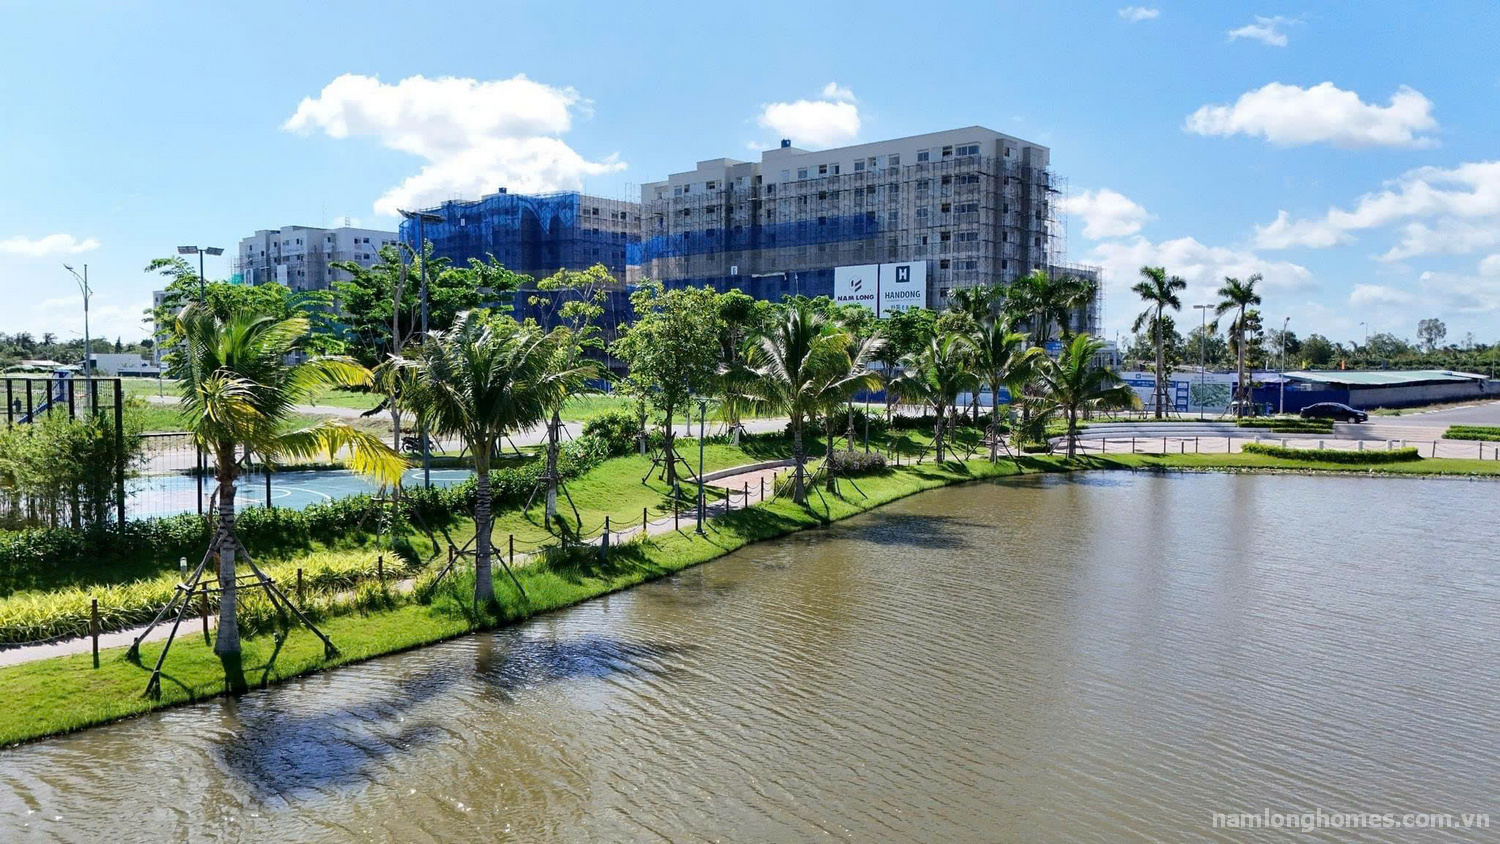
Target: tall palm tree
(238, 396)
(1160, 292)
(790, 366)
(1239, 296)
(936, 376)
(1001, 356)
(479, 381)
(1076, 382)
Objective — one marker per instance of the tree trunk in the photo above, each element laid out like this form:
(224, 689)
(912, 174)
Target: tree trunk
(227, 637)
(995, 421)
(1242, 387)
(484, 582)
(669, 451)
(1072, 432)
(552, 445)
(937, 431)
(828, 455)
(799, 495)
(1161, 365)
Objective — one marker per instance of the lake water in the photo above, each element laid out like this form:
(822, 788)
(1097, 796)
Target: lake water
(1111, 657)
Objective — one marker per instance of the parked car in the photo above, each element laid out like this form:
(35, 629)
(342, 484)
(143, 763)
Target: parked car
(1335, 411)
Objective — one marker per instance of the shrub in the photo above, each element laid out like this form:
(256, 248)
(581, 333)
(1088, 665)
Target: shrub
(856, 462)
(1289, 425)
(617, 429)
(1333, 455)
(1486, 433)
(59, 470)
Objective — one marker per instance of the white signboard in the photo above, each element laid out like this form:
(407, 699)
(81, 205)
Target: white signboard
(902, 286)
(859, 285)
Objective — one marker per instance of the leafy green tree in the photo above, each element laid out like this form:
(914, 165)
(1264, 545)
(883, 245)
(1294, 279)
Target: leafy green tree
(673, 350)
(1317, 350)
(845, 376)
(937, 376)
(1160, 292)
(578, 304)
(238, 395)
(1075, 382)
(1002, 359)
(479, 381)
(1045, 300)
(1431, 332)
(1205, 344)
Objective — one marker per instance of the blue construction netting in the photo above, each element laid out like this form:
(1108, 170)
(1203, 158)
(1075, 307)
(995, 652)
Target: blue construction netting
(772, 288)
(535, 235)
(807, 232)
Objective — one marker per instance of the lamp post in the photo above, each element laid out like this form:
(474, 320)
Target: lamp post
(83, 287)
(1281, 399)
(422, 217)
(1202, 356)
(200, 251)
(702, 426)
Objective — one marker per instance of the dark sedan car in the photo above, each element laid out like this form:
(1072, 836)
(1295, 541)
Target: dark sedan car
(1335, 411)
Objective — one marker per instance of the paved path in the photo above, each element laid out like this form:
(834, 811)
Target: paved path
(193, 626)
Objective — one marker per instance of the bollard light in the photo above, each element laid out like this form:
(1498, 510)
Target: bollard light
(182, 567)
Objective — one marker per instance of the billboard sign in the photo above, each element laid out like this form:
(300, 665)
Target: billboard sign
(858, 285)
(902, 286)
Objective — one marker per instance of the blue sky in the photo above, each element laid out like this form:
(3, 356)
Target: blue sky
(1346, 151)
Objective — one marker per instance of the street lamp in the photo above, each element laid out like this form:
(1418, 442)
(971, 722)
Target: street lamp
(1202, 357)
(200, 251)
(1282, 398)
(422, 217)
(702, 426)
(83, 287)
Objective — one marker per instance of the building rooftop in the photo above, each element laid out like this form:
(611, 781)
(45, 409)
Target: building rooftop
(1384, 377)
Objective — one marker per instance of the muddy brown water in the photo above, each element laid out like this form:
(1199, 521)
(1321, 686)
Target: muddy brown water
(1104, 658)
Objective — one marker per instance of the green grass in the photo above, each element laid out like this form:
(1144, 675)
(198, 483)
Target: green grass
(1442, 466)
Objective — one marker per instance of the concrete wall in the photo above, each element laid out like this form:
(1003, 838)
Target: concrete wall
(1422, 394)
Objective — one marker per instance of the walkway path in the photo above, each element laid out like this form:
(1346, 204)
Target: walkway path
(736, 482)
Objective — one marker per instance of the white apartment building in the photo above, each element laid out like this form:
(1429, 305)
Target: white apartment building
(301, 257)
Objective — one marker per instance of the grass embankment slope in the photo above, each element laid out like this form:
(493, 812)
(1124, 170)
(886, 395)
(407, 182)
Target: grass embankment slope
(58, 695)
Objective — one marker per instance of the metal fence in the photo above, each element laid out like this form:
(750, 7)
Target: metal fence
(34, 399)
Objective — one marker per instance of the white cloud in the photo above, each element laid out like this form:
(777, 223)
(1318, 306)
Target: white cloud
(1284, 233)
(1287, 115)
(1378, 294)
(1265, 30)
(1106, 213)
(1202, 266)
(1136, 14)
(1490, 266)
(1463, 202)
(476, 136)
(52, 244)
(63, 316)
(825, 122)
(835, 91)
(1461, 295)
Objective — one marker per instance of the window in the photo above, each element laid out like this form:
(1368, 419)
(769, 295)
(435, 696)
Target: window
(968, 207)
(969, 149)
(923, 184)
(822, 169)
(968, 237)
(894, 190)
(895, 160)
(873, 162)
(1005, 208)
(943, 264)
(1004, 264)
(859, 166)
(801, 172)
(835, 169)
(947, 180)
(786, 175)
(923, 155)
(677, 191)
(946, 208)
(1036, 241)
(945, 236)
(1007, 152)
(710, 185)
(948, 152)
(893, 218)
(822, 195)
(1005, 237)
(921, 213)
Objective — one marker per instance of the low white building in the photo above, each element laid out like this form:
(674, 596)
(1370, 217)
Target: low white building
(112, 365)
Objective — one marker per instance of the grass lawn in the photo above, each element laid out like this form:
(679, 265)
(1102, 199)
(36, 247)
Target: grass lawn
(1443, 466)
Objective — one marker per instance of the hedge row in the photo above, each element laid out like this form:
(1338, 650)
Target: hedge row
(1292, 425)
(1333, 455)
(1486, 433)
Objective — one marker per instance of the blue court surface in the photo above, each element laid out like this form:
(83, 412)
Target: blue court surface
(168, 495)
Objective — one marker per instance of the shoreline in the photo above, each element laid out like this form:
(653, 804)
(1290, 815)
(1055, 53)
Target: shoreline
(59, 695)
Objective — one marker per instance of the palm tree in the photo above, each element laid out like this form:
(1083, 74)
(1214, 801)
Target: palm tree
(936, 376)
(846, 376)
(1076, 382)
(1001, 356)
(1159, 291)
(479, 381)
(1239, 296)
(1046, 300)
(238, 394)
(791, 365)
